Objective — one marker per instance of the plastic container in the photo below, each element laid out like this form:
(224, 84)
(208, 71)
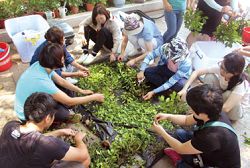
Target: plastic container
(5, 62)
(205, 54)
(27, 33)
(246, 36)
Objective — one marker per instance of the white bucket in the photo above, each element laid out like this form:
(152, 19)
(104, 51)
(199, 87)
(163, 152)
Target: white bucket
(27, 42)
(205, 54)
(27, 33)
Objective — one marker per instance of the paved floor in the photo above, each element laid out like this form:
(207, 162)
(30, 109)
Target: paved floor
(8, 80)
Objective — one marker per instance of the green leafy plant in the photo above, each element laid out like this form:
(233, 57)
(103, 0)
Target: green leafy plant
(95, 1)
(51, 5)
(227, 33)
(247, 139)
(75, 2)
(32, 6)
(131, 116)
(11, 8)
(230, 32)
(194, 20)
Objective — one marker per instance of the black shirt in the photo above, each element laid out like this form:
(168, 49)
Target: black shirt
(30, 150)
(219, 145)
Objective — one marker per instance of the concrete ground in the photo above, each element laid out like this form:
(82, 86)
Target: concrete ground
(9, 78)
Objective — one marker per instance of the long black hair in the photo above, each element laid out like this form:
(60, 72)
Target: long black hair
(234, 63)
(51, 56)
(99, 9)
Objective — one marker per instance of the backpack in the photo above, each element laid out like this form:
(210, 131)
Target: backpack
(217, 124)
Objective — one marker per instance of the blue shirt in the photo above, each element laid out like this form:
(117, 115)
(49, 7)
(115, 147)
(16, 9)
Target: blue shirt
(184, 69)
(150, 31)
(67, 57)
(178, 4)
(34, 79)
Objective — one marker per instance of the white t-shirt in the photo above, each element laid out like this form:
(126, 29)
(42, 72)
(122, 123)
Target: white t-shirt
(242, 89)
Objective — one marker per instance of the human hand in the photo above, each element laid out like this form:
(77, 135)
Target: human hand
(67, 132)
(87, 92)
(156, 127)
(121, 57)
(227, 10)
(182, 94)
(131, 63)
(168, 7)
(112, 57)
(82, 73)
(140, 76)
(84, 42)
(99, 97)
(161, 116)
(79, 136)
(85, 69)
(149, 95)
(238, 50)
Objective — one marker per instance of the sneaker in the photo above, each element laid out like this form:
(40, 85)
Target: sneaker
(82, 58)
(90, 58)
(71, 80)
(173, 155)
(151, 62)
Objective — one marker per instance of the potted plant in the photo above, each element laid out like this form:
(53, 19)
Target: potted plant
(194, 20)
(91, 3)
(3, 14)
(35, 7)
(10, 8)
(53, 6)
(229, 33)
(74, 5)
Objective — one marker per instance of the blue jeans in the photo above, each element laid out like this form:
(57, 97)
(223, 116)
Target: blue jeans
(174, 21)
(184, 136)
(160, 74)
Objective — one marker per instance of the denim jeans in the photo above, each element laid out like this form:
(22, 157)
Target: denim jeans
(160, 74)
(184, 136)
(62, 111)
(174, 21)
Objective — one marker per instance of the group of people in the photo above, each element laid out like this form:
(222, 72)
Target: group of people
(43, 95)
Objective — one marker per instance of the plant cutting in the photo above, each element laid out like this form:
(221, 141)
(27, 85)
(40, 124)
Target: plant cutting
(131, 116)
(194, 20)
(230, 32)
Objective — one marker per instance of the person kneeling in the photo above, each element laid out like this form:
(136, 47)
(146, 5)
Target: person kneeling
(26, 146)
(213, 144)
(172, 71)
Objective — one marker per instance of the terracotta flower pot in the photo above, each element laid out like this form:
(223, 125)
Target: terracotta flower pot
(74, 9)
(89, 6)
(2, 24)
(56, 12)
(40, 13)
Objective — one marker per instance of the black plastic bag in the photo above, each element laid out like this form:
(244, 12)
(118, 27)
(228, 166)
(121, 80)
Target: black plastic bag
(103, 129)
